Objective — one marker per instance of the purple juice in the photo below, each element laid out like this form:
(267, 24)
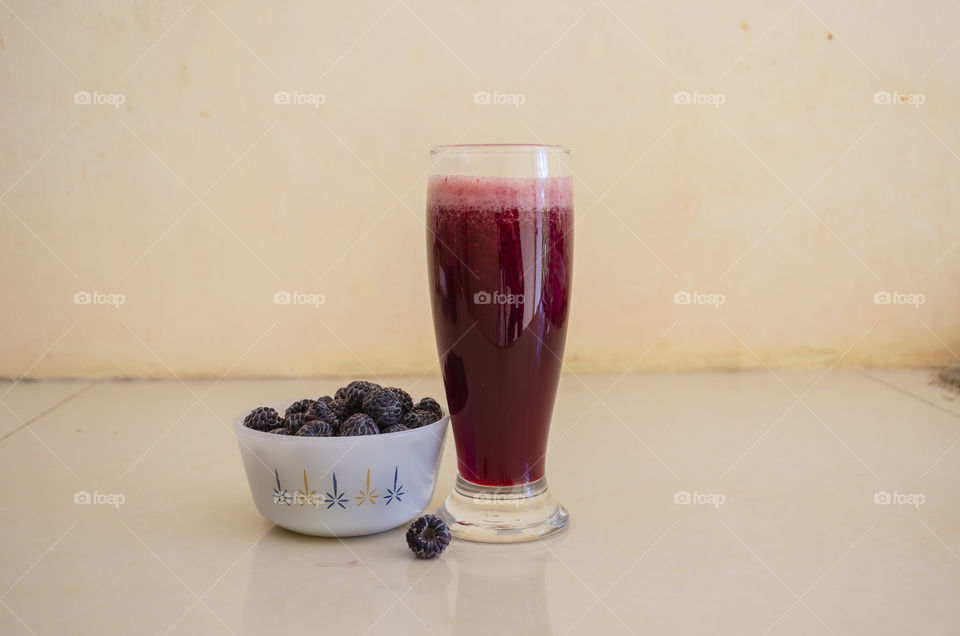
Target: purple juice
(500, 257)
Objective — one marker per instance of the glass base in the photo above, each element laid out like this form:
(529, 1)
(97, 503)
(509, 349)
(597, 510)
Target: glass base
(502, 514)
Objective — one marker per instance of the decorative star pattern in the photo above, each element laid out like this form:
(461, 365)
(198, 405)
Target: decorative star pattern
(336, 498)
(306, 496)
(367, 494)
(280, 496)
(396, 492)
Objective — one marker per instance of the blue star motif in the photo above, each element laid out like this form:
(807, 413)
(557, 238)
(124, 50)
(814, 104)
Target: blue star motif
(397, 491)
(280, 496)
(337, 498)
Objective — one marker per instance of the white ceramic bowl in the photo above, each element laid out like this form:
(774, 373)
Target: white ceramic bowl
(341, 486)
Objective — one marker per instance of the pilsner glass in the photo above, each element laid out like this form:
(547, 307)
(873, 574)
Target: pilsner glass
(499, 251)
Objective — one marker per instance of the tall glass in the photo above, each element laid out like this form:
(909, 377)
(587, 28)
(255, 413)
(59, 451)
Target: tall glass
(499, 250)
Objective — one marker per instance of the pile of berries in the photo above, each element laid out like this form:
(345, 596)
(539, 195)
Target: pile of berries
(360, 408)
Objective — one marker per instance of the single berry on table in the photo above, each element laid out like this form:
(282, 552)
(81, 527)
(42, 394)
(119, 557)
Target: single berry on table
(316, 428)
(262, 418)
(428, 536)
(383, 406)
(358, 424)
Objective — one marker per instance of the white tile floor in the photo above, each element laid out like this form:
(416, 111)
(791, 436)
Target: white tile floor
(798, 545)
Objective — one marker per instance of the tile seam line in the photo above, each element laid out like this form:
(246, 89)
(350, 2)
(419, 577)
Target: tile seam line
(865, 373)
(51, 409)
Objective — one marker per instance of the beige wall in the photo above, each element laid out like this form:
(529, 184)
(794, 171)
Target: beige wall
(329, 199)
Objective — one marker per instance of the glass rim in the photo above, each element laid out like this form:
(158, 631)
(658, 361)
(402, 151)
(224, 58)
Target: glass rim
(456, 149)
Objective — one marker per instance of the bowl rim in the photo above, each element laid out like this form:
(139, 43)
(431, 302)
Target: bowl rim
(240, 430)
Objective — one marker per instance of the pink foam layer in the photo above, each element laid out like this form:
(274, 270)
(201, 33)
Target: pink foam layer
(498, 193)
